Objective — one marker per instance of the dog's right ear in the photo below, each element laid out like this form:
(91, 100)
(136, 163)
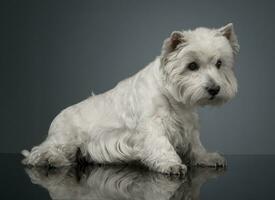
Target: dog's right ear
(171, 43)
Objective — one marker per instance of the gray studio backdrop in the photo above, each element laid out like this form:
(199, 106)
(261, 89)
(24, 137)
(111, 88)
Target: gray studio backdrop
(55, 53)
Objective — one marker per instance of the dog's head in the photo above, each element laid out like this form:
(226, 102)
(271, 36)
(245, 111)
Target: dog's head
(197, 65)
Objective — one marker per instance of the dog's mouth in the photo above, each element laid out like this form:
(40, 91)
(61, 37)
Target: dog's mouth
(212, 97)
(212, 100)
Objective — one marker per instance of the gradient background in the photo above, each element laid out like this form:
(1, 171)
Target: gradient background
(55, 53)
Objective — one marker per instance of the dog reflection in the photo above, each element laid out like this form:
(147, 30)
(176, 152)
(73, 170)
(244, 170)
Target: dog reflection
(119, 183)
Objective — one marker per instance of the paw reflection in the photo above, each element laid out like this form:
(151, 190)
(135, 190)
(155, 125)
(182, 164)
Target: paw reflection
(119, 182)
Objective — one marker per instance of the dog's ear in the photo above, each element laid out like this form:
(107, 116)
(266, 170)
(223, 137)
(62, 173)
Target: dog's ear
(172, 42)
(228, 32)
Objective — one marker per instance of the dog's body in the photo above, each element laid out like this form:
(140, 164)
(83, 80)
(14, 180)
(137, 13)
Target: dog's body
(150, 117)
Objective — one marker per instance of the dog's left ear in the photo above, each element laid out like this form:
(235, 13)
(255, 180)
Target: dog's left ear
(228, 32)
(172, 42)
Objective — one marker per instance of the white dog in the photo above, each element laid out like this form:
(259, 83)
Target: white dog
(150, 117)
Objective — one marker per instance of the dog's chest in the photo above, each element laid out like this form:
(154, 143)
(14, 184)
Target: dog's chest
(178, 128)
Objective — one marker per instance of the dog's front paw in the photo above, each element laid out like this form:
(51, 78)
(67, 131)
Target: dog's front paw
(173, 169)
(210, 160)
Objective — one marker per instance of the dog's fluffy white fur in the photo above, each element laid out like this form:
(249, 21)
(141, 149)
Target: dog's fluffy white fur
(150, 117)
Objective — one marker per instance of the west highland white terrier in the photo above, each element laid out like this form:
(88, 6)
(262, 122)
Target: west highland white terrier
(150, 117)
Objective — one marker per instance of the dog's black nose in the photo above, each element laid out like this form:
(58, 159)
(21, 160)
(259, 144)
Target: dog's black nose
(213, 90)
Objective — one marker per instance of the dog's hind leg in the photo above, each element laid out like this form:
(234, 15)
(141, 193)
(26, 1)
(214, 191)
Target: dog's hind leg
(50, 154)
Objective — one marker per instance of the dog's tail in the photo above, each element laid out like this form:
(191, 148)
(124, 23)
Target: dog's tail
(25, 153)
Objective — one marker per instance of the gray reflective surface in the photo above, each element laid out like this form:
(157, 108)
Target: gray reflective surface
(247, 177)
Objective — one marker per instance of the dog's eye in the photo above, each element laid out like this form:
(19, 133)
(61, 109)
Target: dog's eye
(193, 66)
(218, 64)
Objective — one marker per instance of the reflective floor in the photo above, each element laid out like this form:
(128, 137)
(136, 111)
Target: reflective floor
(247, 177)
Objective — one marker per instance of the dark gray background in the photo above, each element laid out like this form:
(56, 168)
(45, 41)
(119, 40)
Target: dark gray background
(55, 53)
